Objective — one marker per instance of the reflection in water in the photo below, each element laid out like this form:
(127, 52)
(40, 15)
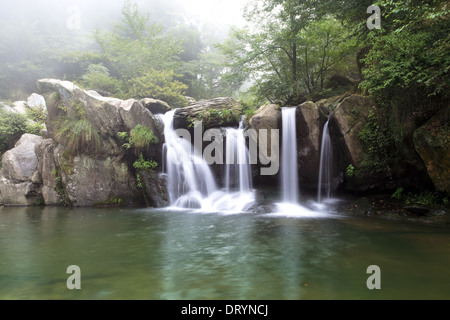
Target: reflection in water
(145, 254)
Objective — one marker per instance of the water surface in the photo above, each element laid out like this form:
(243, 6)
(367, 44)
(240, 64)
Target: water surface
(151, 254)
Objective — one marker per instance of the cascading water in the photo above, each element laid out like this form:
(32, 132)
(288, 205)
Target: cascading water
(289, 171)
(238, 169)
(189, 178)
(190, 182)
(326, 165)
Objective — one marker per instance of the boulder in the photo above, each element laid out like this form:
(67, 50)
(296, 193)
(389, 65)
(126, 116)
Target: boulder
(155, 189)
(20, 182)
(267, 117)
(349, 119)
(20, 107)
(107, 115)
(48, 171)
(432, 143)
(35, 101)
(310, 123)
(214, 113)
(155, 106)
(88, 181)
(14, 194)
(20, 163)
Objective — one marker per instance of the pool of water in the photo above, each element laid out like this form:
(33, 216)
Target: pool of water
(164, 254)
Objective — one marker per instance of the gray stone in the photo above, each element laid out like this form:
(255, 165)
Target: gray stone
(35, 100)
(20, 163)
(155, 106)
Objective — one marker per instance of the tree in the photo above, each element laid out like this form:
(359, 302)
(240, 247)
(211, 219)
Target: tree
(139, 55)
(293, 49)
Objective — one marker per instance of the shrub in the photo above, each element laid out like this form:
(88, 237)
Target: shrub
(12, 127)
(141, 137)
(97, 77)
(159, 85)
(77, 133)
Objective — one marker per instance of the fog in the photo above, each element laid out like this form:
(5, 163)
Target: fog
(34, 35)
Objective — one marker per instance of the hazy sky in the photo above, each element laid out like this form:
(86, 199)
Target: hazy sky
(226, 12)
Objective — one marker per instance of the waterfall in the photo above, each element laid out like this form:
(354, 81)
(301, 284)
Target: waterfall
(189, 178)
(326, 165)
(190, 182)
(289, 171)
(238, 169)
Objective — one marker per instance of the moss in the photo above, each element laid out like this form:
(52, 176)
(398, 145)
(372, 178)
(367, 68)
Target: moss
(59, 188)
(111, 202)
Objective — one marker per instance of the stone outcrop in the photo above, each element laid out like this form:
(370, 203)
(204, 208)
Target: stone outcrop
(86, 178)
(155, 106)
(45, 152)
(214, 113)
(155, 189)
(432, 143)
(20, 181)
(310, 122)
(349, 119)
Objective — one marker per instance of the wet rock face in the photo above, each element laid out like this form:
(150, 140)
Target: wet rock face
(155, 189)
(432, 143)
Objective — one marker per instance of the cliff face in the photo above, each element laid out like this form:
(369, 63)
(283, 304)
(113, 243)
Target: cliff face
(83, 161)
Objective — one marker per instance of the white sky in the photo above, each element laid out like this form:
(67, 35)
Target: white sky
(224, 12)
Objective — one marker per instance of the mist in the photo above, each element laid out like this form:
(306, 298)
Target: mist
(35, 35)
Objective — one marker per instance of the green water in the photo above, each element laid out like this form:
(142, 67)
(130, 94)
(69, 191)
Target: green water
(148, 254)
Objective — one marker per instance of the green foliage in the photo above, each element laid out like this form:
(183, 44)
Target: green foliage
(111, 202)
(37, 114)
(398, 194)
(141, 137)
(76, 132)
(294, 49)
(376, 144)
(350, 171)
(12, 127)
(159, 85)
(59, 187)
(142, 165)
(426, 198)
(97, 77)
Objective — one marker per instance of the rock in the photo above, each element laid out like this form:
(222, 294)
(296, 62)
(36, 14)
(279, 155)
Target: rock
(418, 209)
(155, 189)
(267, 117)
(214, 113)
(88, 181)
(48, 171)
(19, 107)
(20, 163)
(338, 81)
(155, 106)
(35, 101)
(190, 100)
(350, 118)
(7, 108)
(19, 194)
(19, 177)
(310, 122)
(262, 206)
(432, 143)
(107, 115)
